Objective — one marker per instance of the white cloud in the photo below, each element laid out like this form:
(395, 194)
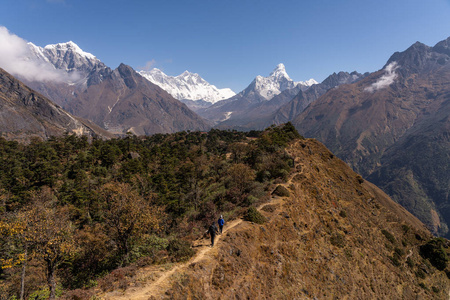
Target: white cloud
(386, 80)
(148, 65)
(17, 59)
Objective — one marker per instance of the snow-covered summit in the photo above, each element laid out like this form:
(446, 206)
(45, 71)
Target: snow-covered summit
(69, 46)
(187, 86)
(275, 83)
(64, 56)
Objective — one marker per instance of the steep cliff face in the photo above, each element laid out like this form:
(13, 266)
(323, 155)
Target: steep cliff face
(335, 236)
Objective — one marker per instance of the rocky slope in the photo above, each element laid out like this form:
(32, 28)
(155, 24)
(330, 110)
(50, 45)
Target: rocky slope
(293, 108)
(331, 236)
(385, 126)
(25, 114)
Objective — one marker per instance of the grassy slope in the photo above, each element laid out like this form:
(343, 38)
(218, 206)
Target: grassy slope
(325, 241)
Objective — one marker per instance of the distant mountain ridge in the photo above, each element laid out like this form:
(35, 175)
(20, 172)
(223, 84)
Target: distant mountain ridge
(290, 110)
(285, 106)
(261, 89)
(187, 86)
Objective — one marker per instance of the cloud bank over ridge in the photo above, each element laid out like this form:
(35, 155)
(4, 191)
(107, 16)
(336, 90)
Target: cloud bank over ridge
(384, 81)
(17, 59)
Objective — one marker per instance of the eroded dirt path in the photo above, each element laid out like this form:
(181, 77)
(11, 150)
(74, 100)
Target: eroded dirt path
(154, 288)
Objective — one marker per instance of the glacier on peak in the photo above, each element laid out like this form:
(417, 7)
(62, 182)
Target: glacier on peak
(70, 46)
(187, 86)
(277, 81)
(64, 56)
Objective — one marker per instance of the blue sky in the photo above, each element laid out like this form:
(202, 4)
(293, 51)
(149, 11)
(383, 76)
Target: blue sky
(230, 42)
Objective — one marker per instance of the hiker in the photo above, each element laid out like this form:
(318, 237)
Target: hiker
(221, 222)
(212, 231)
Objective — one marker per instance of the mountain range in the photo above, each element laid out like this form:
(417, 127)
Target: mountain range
(117, 100)
(285, 106)
(188, 87)
(393, 127)
(260, 90)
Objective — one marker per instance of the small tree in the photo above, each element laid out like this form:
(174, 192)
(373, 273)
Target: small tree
(48, 233)
(240, 178)
(127, 216)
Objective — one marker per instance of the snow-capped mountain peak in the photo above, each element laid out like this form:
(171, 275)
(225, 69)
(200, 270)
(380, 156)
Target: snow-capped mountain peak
(71, 63)
(69, 57)
(275, 83)
(279, 71)
(187, 86)
(69, 46)
(36, 52)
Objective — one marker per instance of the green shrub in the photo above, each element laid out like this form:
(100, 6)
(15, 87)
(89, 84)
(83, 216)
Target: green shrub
(180, 250)
(343, 213)
(359, 179)
(281, 191)
(434, 251)
(399, 252)
(410, 262)
(405, 228)
(395, 261)
(420, 274)
(388, 236)
(253, 215)
(337, 240)
(422, 285)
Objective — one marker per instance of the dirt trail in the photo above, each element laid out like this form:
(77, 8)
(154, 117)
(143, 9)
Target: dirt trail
(162, 283)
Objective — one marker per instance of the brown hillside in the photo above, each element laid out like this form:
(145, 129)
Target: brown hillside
(125, 101)
(24, 114)
(333, 237)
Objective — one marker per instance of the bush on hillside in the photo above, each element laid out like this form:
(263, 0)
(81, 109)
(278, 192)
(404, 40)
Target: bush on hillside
(180, 250)
(337, 240)
(388, 236)
(434, 251)
(281, 191)
(253, 215)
